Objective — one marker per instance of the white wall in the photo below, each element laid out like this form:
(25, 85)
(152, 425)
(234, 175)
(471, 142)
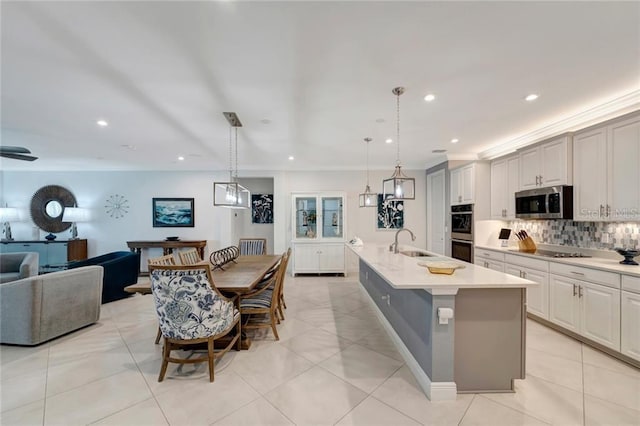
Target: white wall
(215, 224)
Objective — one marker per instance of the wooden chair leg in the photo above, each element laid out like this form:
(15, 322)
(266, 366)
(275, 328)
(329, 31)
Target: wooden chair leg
(281, 312)
(211, 358)
(283, 302)
(166, 351)
(158, 335)
(273, 325)
(239, 334)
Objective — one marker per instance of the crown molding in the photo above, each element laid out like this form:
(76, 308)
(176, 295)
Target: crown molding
(619, 106)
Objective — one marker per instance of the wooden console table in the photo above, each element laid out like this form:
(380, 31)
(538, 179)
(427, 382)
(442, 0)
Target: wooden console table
(167, 246)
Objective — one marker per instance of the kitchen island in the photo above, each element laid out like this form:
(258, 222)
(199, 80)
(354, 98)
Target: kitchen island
(479, 348)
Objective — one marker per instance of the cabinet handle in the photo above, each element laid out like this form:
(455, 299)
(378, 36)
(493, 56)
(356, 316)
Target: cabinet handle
(601, 210)
(575, 291)
(579, 291)
(608, 210)
(536, 180)
(524, 274)
(540, 179)
(578, 273)
(486, 264)
(520, 273)
(460, 198)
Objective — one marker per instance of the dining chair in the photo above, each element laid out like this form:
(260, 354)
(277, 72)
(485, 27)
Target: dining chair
(252, 246)
(189, 257)
(192, 311)
(167, 260)
(265, 301)
(281, 302)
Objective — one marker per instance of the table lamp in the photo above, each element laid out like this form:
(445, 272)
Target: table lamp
(8, 214)
(75, 214)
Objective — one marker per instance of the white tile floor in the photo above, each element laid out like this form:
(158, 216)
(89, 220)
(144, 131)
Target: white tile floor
(333, 364)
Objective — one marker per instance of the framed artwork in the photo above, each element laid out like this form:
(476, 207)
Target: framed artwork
(261, 208)
(390, 214)
(173, 213)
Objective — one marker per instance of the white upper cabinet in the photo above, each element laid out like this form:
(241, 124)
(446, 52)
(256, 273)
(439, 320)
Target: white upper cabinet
(505, 181)
(547, 164)
(623, 174)
(590, 174)
(606, 173)
(463, 183)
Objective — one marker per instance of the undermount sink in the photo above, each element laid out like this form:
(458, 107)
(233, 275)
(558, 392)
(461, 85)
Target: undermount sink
(416, 253)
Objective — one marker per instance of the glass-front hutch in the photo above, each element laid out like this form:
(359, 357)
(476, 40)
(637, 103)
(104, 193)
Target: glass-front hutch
(318, 232)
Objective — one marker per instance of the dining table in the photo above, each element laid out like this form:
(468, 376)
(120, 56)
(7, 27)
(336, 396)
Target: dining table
(237, 278)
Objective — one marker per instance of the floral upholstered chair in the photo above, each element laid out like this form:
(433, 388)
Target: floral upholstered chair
(192, 311)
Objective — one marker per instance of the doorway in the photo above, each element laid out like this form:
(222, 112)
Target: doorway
(436, 214)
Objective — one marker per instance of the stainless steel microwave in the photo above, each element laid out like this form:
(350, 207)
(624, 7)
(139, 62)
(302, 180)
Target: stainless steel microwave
(553, 202)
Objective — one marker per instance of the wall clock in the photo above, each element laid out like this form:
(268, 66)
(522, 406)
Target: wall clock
(117, 206)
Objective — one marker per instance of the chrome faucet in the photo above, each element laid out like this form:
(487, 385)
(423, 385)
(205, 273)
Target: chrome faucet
(394, 247)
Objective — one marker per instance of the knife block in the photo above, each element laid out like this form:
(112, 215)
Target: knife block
(527, 245)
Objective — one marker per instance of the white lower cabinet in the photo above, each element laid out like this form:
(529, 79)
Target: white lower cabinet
(318, 258)
(589, 309)
(535, 270)
(630, 333)
(537, 297)
(496, 265)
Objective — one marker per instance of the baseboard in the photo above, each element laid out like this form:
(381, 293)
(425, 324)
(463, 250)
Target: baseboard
(435, 391)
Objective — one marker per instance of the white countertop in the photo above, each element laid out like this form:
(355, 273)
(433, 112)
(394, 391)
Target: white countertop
(403, 272)
(601, 263)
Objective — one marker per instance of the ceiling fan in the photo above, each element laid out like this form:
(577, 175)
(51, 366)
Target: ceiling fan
(17, 153)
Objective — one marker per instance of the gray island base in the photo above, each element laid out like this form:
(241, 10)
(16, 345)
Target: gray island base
(479, 348)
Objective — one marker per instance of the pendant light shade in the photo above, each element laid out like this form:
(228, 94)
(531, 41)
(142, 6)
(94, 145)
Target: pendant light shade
(399, 186)
(368, 198)
(231, 194)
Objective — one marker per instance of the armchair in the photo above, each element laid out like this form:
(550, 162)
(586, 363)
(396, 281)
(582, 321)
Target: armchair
(192, 311)
(120, 270)
(15, 266)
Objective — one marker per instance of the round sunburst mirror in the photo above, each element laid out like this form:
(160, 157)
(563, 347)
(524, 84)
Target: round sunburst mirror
(47, 208)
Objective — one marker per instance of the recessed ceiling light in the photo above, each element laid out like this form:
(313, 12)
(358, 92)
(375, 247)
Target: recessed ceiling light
(181, 158)
(291, 158)
(429, 97)
(454, 140)
(531, 97)
(379, 120)
(265, 121)
(102, 123)
(389, 140)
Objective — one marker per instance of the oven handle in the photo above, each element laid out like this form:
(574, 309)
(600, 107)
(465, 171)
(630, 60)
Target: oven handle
(455, 240)
(461, 213)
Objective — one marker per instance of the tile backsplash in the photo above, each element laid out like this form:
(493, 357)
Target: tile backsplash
(592, 235)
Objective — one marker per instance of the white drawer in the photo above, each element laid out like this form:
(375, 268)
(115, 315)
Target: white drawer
(489, 254)
(631, 284)
(610, 279)
(527, 262)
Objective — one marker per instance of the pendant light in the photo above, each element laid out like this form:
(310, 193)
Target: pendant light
(368, 198)
(399, 186)
(231, 194)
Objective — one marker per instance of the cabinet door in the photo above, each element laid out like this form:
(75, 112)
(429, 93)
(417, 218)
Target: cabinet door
(331, 258)
(529, 168)
(554, 164)
(305, 216)
(455, 187)
(513, 185)
(498, 188)
(630, 331)
(623, 186)
(468, 184)
(332, 217)
(589, 174)
(306, 258)
(600, 314)
(537, 297)
(56, 253)
(564, 304)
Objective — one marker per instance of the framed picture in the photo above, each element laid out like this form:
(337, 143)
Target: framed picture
(173, 213)
(390, 214)
(261, 208)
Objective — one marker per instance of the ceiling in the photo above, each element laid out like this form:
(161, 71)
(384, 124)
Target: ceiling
(308, 79)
